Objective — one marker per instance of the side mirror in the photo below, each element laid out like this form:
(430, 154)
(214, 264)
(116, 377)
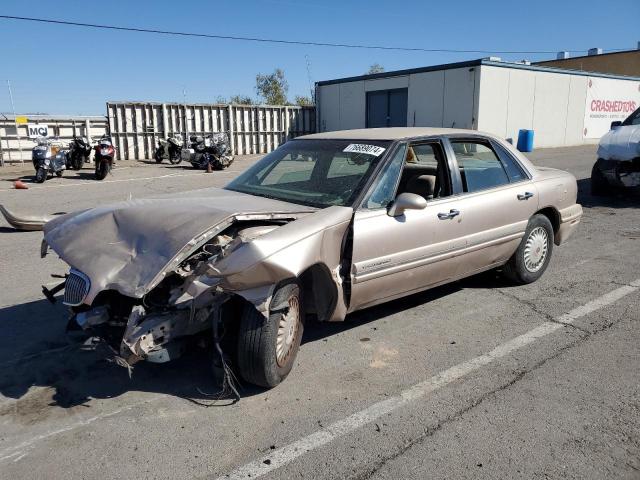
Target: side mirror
(615, 124)
(406, 201)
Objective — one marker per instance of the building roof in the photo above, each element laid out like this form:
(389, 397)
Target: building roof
(470, 64)
(391, 133)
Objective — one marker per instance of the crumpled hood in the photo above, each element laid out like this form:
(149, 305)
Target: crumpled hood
(621, 143)
(126, 246)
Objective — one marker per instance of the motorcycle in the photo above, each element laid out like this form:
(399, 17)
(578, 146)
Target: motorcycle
(211, 150)
(48, 157)
(171, 149)
(79, 152)
(105, 152)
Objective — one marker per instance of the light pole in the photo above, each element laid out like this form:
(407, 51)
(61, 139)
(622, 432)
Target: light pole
(13, 107)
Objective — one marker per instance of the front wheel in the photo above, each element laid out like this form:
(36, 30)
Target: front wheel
(102, 169)
(41, 175)
(159, 155)
(59, 173)
(532, 257)
(175, 157)
(267, 347)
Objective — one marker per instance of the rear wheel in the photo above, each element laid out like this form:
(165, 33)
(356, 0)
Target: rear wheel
(267, 347)
(532, 257)
(41, 175)
(159, 155)
(599, 185)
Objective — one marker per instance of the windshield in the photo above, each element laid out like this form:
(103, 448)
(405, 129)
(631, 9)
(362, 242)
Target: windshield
(319, 173)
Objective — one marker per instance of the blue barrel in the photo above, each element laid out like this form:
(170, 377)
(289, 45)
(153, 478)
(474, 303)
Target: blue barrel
(525, 140)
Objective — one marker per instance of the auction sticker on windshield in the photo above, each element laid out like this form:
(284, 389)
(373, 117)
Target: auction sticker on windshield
(362, 148)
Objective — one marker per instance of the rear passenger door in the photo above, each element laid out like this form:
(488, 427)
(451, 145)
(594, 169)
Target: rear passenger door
(496, 200)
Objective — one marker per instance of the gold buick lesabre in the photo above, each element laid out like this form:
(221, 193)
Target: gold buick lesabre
(325, 225)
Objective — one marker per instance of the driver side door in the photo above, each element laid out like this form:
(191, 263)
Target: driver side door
(396, 256)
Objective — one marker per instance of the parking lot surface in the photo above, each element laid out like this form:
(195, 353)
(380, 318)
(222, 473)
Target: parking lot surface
(477, 379)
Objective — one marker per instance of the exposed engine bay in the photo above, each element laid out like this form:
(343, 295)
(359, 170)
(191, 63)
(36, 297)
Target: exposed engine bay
(185, 304)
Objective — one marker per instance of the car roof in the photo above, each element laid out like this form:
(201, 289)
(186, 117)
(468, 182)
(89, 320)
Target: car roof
(393, 133)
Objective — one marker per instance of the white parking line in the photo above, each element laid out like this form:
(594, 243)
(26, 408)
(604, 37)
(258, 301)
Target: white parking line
(289, 453)
(104, 182)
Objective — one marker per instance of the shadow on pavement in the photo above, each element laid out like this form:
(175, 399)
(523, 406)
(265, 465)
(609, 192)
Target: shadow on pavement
(617, 199)
(35, 351)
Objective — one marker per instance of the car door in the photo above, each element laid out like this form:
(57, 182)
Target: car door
(497, 199)
(394, 256)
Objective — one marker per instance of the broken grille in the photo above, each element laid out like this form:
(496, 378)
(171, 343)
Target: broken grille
(76, 288)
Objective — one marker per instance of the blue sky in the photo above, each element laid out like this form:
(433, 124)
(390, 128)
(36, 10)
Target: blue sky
(71, 70)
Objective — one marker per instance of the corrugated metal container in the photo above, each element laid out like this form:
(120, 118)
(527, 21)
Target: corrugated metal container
(136, 127)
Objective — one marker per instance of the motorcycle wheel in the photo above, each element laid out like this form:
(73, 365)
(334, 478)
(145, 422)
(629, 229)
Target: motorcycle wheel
(195, 165)
(175, 158)
(102, 169)
(41, 175)
(159, 155)
(59, 173)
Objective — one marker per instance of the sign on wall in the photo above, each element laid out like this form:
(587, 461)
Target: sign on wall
(37, 130)
(607, 101)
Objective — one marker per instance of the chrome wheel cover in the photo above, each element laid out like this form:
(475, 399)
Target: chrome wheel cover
(287, 330)
(536, 249)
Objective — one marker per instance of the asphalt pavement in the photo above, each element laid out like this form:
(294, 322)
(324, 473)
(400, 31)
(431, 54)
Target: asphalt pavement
(477, 379)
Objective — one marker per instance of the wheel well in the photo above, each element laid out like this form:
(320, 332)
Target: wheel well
(553, 216)
(319, 290)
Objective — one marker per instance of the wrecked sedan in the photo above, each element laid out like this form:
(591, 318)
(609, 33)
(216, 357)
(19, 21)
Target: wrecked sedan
(618, 164)
(325, 225)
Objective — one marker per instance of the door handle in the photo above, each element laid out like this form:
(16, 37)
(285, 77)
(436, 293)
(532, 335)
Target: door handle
(525, 196)
(446, 216)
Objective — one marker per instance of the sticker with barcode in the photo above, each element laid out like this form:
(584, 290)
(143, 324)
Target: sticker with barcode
(363, 148)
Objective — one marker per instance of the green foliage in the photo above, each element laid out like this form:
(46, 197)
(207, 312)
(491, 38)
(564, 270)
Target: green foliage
(272, 88)
(304, 101)
(241, 100)
(375, 68)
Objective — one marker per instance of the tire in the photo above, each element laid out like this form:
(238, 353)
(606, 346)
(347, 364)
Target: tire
(265, 358)
(41, 175)
(175, 157)
(76, 162)
(102, 169)
(526, 265)
(599, 185)
(195, 165)
(159, 155)
(59, 173)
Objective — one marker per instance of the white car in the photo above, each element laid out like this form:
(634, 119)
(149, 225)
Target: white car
(618, 164)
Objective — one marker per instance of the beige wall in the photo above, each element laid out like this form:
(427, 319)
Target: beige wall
(621, 63)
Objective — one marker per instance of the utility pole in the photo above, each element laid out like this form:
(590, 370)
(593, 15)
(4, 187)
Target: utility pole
(13, 107)
(186, 123)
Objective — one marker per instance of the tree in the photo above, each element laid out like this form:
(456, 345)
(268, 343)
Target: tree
(303, 101)
(272, 88)
(241, 100)
(375, 68)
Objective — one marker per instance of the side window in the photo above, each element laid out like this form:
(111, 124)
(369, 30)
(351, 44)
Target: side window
(479, 166)
(383, 190)
(513, 168)
(425, 173)
(633, 119)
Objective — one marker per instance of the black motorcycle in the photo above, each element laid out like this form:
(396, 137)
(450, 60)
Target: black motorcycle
(171, 148)
(105, 152)
(210, 150)
(79, 152)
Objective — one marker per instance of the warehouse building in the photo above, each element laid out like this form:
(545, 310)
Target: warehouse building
(563, 107)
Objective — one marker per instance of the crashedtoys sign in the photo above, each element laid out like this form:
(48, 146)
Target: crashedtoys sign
(607, 101)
